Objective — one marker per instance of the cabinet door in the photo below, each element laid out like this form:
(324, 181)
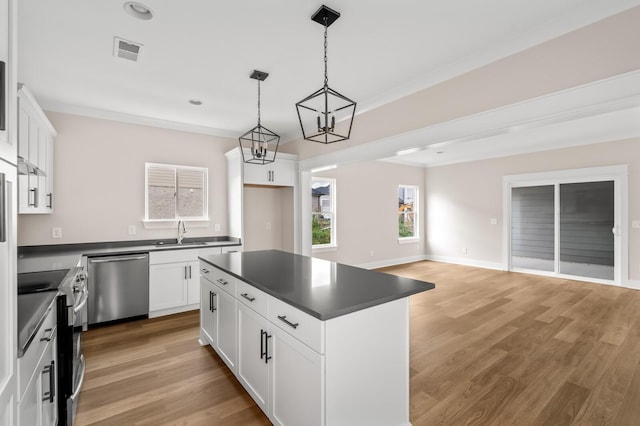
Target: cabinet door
(193, 285)
(167, 286)
(29, 408)
(283, 172)
(49, 384)
(208, 293)
(296, 382)
(253, 367)
(257, 174)
(226, 329)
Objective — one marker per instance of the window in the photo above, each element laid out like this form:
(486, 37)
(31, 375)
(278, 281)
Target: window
(407, 212)
(175, 192)
(323, 212)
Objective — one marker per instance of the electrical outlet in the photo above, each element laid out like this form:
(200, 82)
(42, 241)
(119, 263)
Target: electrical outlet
(268, 226)
(132, 230)
(493, 221)
(216, 227)
(635, 224)
(56, 232)
(371, 253)
(465, 250)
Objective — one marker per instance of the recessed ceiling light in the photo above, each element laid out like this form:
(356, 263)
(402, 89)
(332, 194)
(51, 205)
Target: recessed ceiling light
(138, 10)
(195, 101)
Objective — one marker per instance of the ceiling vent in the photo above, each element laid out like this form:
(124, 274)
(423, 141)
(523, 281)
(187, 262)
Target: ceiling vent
(126, 49)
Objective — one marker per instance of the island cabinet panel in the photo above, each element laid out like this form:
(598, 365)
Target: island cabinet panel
(219, 321)
(297, 386)
(253, 357)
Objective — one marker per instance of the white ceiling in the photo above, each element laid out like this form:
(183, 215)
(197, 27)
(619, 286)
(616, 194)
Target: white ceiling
(201, 49)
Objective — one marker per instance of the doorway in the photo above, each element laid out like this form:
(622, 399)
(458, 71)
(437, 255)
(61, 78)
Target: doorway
(567, 223)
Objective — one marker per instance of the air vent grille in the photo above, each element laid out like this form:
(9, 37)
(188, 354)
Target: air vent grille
(126, 49)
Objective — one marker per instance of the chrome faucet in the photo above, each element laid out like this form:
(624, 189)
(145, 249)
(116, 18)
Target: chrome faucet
(181, 231)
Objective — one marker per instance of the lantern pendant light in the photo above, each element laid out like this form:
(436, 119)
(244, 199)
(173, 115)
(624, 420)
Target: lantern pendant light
(260, 142)
(326, 116)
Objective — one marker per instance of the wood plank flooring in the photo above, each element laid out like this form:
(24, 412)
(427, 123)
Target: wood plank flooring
(487, 347)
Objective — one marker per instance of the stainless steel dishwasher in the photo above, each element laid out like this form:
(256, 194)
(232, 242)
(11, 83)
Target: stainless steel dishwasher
(118, 287)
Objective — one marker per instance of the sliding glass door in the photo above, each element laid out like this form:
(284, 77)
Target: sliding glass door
(565, 226)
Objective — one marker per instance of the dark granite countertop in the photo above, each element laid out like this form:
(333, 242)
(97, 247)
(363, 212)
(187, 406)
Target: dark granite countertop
(32, 308)
(318, 287)
(65, 256)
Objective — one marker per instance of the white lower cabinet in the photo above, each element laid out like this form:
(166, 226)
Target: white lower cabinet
(297, 387)
(174, 279)
(218, 321)
(38, 379)
(349, 370)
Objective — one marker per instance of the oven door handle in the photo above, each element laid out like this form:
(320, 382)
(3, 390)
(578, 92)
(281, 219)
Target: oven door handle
(80, 382)
(85, 297)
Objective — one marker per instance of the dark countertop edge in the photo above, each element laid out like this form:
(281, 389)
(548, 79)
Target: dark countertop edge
(149, 245)
(22, 348)
(318, 315)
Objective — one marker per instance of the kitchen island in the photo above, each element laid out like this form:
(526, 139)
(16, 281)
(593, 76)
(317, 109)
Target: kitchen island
(313, 342)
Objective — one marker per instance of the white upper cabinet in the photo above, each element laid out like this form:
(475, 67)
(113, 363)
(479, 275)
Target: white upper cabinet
(282, 172)
(35, 149)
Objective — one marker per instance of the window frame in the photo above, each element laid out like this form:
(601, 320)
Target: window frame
(176, 168)
(334, 238)
(416, 215)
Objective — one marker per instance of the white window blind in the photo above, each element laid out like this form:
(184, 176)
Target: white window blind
(175, 192)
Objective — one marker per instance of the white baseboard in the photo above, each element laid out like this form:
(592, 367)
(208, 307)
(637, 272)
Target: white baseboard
(391, 262)
(633, 284)
(171, 311)
(466, 262)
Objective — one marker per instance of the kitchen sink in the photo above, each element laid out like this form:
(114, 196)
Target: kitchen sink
(184, 243)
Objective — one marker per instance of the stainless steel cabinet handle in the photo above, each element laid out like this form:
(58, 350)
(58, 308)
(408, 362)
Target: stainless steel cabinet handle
(246, 296)
(284, 319)
(185, 272)
(34, 191)
(189, 271)
(50, 204)
(51, 393)
(3, 208)
(206, 271)
(47, 338)
(223, 282)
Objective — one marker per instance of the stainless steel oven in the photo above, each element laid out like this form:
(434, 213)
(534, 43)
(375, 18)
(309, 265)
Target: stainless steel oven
(72, 321)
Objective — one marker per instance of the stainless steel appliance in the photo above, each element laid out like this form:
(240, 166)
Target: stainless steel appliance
(118, 287)
(70, 285)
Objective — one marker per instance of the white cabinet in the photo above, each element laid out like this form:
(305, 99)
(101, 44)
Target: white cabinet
(174, 280)
(301, 370)
(37, 383)
(35, 148)
(297, 391)
(218, 315)
(253, 356)
(281, 172)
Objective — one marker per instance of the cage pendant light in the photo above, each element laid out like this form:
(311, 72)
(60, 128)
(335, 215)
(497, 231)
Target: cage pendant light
(326, 116)
(259, 145)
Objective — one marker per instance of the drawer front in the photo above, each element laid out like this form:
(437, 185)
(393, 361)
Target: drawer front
(206, 271)
(29, 361)
(300, 325)
(252, 297)
(172, 256)
(224, 281)
(209, 250)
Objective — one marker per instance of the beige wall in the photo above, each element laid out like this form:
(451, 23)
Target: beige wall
(604, 49)
(268, 218)
(367, 213)
(462, 198)
(99, 180)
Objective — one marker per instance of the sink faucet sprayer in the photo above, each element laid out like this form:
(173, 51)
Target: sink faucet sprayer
(181, 231)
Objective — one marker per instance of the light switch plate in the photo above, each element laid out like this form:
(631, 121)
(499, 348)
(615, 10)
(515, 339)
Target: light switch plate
(635, 224)
(216, 227)
(132, 230)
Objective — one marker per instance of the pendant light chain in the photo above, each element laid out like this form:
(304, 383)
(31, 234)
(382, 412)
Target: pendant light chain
(326, 74)
(258, 102)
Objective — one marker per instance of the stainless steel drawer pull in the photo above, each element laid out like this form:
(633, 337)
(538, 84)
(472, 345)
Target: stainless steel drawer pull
(205, 271)
(223, 282)
(246, 296)
(283, 318)
(47, 338)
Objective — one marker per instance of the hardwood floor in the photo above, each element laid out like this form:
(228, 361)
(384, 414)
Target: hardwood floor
(487, 347)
